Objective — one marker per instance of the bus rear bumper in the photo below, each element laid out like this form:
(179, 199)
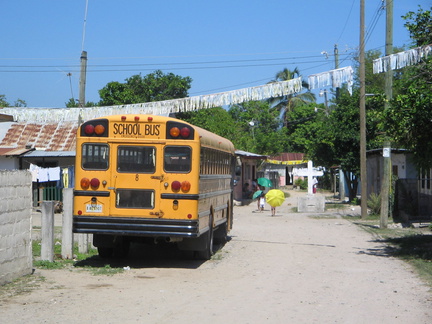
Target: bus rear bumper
(123, 226)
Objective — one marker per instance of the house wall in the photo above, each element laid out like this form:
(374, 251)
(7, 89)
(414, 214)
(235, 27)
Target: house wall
(9, 163)
(15, 225)
(400, 161)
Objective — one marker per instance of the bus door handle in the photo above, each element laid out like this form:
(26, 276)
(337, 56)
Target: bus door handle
(161, 178)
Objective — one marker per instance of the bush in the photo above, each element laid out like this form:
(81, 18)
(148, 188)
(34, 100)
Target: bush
(300, 183)
(374, 203)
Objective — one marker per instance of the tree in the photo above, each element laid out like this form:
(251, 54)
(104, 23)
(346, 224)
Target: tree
(216, 120)
(17, 103)
(287, 103)
(259, 130)
(409, 117)
(155, 86)
(74, 103)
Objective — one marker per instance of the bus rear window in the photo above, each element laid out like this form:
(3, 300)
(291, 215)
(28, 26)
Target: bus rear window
(95, 156)
(136, 159)
(177, 159)
(134, 198)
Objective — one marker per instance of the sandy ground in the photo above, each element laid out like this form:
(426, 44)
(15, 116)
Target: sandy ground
(291, 268)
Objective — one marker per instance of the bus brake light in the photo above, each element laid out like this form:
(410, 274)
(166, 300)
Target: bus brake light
(185, 132)
(89, 129)
(94, 183)
(175, 185)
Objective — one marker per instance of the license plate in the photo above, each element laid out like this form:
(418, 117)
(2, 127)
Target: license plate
(91, 208)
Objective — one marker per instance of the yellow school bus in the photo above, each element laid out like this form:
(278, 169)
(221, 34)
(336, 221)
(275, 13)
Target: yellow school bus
(145, 178)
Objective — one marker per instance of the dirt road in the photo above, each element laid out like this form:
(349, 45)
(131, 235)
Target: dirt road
(291, 268)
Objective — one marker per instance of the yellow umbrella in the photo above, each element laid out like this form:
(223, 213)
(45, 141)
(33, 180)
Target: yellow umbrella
(275, 197)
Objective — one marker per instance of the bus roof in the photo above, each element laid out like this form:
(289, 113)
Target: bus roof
(207, 138)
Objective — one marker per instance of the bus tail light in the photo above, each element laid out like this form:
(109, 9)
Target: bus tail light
(185, 186)
(85, 183)
(94, 183)
(174, 132)
(185, 132)
(177, 130)
(175, 186)
(98, 127)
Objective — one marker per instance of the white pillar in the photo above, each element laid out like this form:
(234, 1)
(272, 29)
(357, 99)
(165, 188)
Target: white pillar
(67, 235)
(47, 231)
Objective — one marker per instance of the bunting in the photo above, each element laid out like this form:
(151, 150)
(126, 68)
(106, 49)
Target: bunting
(334, 78)
(164, 108)
(401, 59)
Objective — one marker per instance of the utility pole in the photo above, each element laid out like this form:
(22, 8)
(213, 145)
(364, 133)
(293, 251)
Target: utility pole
(386, 180)
(362, 75)
(341, 174)
(82, 82)
(336, 55)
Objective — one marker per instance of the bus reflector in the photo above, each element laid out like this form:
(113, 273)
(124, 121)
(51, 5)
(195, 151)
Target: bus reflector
(189, 216)
(99, 129)
(185, 132)
(85, 183)
(185, 186)
(175, 185)
(136, 118)
(89, 129)
(123, 118)
(174, 132)
(149, 118)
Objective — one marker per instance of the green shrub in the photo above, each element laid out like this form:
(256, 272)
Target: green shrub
(300, 183)
(374, 203)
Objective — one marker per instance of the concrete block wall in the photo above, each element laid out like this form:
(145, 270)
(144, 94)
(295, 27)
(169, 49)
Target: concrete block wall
(15, 225)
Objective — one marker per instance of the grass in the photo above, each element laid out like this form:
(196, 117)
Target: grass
(411, 244)
(59, 263)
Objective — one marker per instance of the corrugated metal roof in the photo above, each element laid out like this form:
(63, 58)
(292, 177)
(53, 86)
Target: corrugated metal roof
(13, 151)
(37, 153)
(44, 136)
(288, 157)
(250, 155)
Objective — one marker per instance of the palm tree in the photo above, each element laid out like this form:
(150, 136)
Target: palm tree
(287, 103)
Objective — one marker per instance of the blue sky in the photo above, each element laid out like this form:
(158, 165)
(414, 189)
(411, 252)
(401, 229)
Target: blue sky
(222, 45)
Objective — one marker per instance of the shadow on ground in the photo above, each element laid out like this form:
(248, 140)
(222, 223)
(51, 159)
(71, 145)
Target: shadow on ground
(148, 256)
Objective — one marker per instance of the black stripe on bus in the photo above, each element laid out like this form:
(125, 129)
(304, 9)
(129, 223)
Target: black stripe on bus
(179, 196)
(91, 193)
(195, 197)
(215, 176)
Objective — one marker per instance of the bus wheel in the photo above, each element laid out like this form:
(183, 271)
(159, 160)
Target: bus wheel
(207, 252)
(105, 252)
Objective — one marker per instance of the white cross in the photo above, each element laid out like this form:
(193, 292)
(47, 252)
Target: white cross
(310, 173)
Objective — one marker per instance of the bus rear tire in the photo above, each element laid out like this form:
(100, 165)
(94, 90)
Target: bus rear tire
(208, 251)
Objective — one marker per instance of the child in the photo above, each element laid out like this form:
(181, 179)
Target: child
(261, 202)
